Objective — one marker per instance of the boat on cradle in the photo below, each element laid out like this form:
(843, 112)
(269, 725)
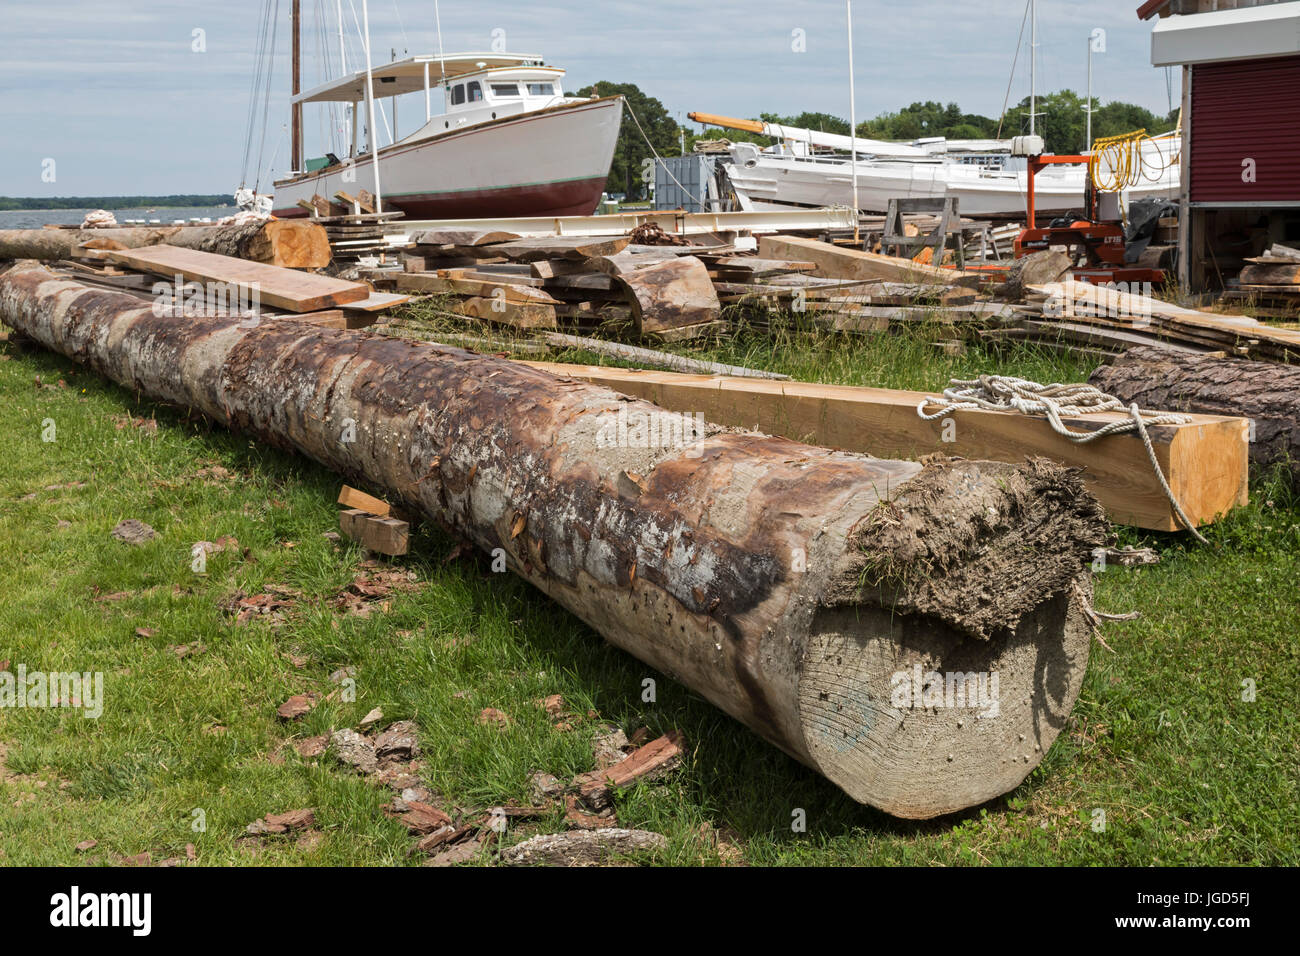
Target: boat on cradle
(510, 142)
(812, 169)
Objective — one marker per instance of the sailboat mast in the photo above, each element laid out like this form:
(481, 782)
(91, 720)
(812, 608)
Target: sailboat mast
(853, 123)
(1033, 68)
(370, 107)
(295, 116)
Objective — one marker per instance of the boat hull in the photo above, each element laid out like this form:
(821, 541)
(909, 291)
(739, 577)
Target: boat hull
(770, 183)
(551, 162)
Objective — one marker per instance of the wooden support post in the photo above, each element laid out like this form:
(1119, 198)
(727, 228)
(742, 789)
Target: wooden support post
(374, 533)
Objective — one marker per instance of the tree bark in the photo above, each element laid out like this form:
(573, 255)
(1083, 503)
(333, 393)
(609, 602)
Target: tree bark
(813, 595)
(1265, 392)
(281, 242)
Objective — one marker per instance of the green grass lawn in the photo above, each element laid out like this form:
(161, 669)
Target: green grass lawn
(189, 749)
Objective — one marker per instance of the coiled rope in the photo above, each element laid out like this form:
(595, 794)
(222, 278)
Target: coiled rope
(1001, 393)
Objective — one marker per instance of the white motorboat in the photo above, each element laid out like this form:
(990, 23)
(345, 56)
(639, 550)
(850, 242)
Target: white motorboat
(510, 143)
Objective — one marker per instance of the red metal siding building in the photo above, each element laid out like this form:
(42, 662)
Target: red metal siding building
(1246, 131)
(1240, 173)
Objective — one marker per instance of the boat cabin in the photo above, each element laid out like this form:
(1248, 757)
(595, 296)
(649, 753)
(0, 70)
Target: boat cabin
(475, 87)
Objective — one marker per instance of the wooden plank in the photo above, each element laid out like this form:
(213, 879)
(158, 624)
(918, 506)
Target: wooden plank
(492, 287)
(1205, 461)
(559, 247)
(522, 315)
(350, 497)
(382, 535)
(280, 288)
(377, 302)
(838, 262)
(461, 237)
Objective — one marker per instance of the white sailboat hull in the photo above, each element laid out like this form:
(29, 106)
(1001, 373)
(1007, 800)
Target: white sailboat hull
(769, 182)
(551, 162)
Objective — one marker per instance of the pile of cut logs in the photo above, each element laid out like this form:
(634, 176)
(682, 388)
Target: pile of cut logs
(352, 225)
(676, 289)
(1271, 280)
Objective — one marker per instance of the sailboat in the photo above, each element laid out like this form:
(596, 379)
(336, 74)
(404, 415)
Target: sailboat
(808, 168)
(509, 143)
(979, 174)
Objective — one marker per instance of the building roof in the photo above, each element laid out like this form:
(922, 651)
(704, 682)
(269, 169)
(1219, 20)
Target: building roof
(1151, 8)
(1246, 33)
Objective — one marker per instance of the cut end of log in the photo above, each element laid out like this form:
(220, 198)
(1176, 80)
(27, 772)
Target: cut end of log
(951, 688)
(920, 720)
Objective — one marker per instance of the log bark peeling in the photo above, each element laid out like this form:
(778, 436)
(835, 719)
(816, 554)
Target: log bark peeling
(795, 587)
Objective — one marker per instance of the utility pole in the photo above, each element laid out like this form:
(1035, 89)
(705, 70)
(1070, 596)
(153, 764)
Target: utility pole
(295, 118)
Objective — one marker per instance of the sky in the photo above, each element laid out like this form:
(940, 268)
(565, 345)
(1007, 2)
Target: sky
(151, 97)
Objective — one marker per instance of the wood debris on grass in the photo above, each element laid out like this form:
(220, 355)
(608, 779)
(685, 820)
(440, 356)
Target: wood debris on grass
(584, 848)
(372, 587)
(270, 606)
(134, 531)
(281, 823)
(653, 761)
(298, 706)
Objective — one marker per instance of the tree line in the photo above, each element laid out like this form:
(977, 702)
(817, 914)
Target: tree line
(111, 202)
(1061, 121)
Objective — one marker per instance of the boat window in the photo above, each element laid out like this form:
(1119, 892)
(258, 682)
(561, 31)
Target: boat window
(458, 94)
(541, 89)
(475, 92)
(505, 89)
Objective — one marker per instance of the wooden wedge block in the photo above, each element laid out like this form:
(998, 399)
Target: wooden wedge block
(351, 498)
(382, 535)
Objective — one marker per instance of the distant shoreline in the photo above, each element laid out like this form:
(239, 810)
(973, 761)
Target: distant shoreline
(53, 203)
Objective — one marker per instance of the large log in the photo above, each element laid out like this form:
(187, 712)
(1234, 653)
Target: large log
(845, 608)
(293, 244)
(1265, 392)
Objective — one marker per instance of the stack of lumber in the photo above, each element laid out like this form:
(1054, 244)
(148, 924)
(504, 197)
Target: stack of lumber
(353, 226)
(1272, 279)
(673, 292)
(216, 285)
(1076, 315)
(661, 291)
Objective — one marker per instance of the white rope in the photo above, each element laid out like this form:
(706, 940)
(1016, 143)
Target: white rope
(1003, 393)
